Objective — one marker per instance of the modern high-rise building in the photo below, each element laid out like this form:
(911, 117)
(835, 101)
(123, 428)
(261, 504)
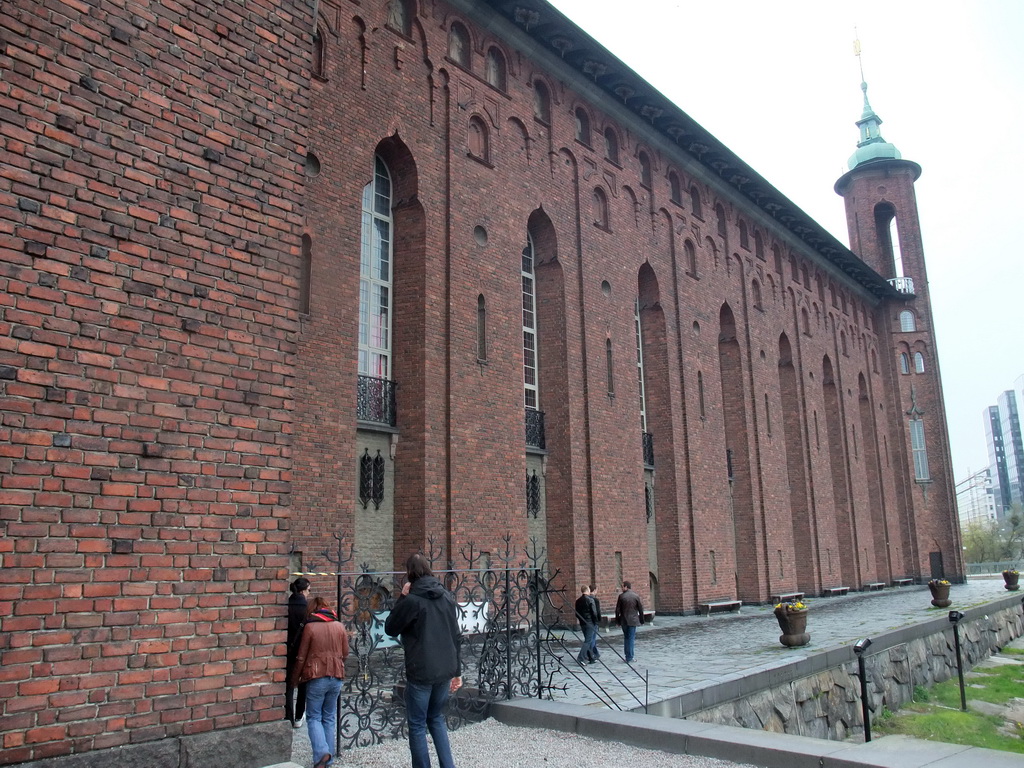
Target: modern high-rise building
(975, 500)
(1006, 448)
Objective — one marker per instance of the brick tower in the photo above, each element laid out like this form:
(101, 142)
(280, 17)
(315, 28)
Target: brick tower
(885, 231)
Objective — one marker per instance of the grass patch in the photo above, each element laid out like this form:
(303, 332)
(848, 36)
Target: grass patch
(935, 713)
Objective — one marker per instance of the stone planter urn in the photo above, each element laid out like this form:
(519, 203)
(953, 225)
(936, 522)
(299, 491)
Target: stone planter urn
(792, 619)
(1010, 579)
(940, 593)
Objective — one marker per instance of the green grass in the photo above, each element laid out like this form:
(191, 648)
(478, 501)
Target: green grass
(935, 713)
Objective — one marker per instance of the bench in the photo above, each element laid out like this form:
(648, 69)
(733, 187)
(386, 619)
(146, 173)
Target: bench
(902, 582)
(608, 619)
(732, 606)
(875, 586)
(787, 597)
(834, 591)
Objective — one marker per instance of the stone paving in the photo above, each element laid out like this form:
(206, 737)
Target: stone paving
(678, 654)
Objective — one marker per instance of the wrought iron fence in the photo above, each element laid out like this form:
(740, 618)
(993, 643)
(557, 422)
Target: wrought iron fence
(535, 428)
(375, 400)
(505, 613)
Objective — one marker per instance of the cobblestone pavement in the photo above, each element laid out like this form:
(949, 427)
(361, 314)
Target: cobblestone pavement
(677, 654)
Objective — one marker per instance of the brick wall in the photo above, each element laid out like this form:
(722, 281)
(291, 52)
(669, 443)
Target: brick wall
(150, 211)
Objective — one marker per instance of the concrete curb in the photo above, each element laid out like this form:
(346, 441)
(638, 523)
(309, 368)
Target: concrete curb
(741, 745)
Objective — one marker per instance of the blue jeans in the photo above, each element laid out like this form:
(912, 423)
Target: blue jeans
(322, 714)
(424, 707)
(628, 643)
(587, 650)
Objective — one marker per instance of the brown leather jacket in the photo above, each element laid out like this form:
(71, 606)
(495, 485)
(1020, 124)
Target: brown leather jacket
(322, 652)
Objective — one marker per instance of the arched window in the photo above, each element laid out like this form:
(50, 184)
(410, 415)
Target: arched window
(645, 170)
(842, 343)
(477, 138)
(375, 275)
(639, 333)
(918, 362)
(481, 327)
(904, 363)
(758, 245)
(744, 237)
(691, 258)
(794, 270)
(720, 215)
(675, 191)
(582, 126)
(695, 203)
(541, 102)
(805, 277)
(600, 208)
(611, 145)
(908, 323)
(805, 321)
(305, 277)
(530, 378)
(495, 68)
(458, 45)
(400, 16)
(874, 361)
(318, 54)
(777, 255)
(755, 290)
(919, 450)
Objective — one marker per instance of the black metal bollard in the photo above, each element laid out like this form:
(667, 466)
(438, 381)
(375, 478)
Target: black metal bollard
(859, 648)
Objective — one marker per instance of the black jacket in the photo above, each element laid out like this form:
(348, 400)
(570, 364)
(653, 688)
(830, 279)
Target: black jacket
(297, 607)
(586, 610)
(427, 620)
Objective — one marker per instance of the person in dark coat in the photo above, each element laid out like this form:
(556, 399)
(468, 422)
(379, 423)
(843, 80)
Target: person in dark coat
(295, 698)
(426, 618)
(588, 617)
(595, 653)
(629, 614)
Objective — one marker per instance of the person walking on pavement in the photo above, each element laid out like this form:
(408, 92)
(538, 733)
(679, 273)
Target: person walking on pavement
(629, 614)
(320, 663)
(295, 698)
(588, 617)
(426, 618)
(595, 654)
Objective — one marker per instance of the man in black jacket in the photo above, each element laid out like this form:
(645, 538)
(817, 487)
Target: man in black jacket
(426, 617)
(588, 617)
(629, 614)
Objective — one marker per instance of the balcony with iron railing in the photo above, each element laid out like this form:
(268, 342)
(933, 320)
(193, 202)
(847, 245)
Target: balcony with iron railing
(903, 284)
(648, 442)
(535, 429)
(375, 400)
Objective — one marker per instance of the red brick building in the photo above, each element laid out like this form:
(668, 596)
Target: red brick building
(439, 272)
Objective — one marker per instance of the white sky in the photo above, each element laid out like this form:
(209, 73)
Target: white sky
(779, 85)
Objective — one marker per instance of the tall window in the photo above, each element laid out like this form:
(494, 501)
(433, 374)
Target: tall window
(675, 192)
(908, 323)
(400, 17)
(695, 203)
(375, 276)
(611, 145)
(532, 396)
(918, 449)
(582, 126)
(318, 53)
(600, 208)
(918, 362)
(640, 365)
(609, 363)
(691, 258)
(495, 71)
(541, 102)
(458, 45)
(645, 170)
(904, 362)
(481, 327)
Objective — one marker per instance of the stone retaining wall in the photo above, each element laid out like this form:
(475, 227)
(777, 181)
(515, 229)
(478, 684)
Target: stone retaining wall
(826, 703)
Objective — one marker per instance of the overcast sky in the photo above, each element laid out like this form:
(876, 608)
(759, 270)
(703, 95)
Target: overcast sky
(778, 84)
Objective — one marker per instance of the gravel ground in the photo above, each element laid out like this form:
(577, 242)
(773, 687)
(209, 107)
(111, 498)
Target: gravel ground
(491, 744)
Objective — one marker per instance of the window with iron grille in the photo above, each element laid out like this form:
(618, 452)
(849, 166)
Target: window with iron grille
(530, 379)
(371, 479)
(532, 494)
(649, 500)
(919, 450)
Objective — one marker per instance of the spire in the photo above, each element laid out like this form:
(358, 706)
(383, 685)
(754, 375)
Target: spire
(871, 145)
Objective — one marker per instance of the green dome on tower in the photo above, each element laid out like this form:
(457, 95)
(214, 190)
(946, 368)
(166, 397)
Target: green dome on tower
(871, 146)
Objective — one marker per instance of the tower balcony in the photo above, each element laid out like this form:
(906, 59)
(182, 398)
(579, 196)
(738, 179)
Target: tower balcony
(903, 284)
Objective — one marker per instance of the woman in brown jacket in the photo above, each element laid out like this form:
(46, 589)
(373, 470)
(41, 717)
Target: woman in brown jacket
(320, 663)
